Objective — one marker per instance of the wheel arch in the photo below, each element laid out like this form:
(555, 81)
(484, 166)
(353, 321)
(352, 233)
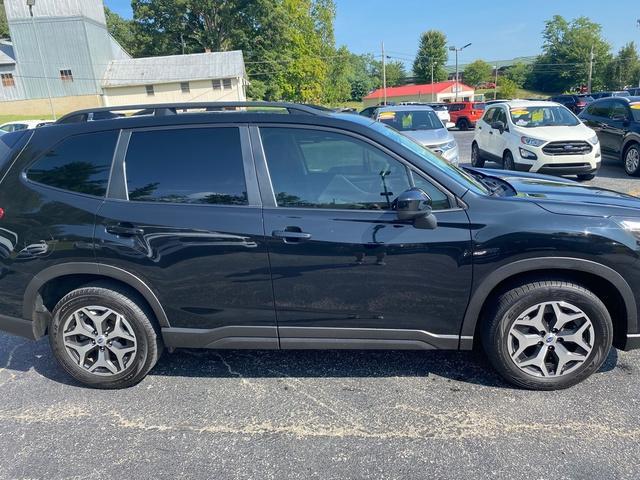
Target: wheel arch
(630, 140)
(598, 277)
(34, 305)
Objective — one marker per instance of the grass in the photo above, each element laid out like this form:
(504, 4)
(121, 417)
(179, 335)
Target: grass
(14, 118)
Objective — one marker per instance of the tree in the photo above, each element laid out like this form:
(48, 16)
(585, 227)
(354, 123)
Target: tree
(624, 69)
(396, 73)
(477, 72)
(564, 62)
(518, 73)
(4, 26)
(507, 88)
(122, 30)
(431, 52)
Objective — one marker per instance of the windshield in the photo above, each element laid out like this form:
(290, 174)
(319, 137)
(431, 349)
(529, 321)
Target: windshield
(543, 116)
(404, 120)
(431, 159)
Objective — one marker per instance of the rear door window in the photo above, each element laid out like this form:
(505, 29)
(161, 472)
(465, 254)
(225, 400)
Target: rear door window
(80, 164)
(186, 165)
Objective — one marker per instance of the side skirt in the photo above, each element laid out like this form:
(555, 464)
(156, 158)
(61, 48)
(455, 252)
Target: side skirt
(311, 338)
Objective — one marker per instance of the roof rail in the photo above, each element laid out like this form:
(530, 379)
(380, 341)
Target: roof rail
(161, 109)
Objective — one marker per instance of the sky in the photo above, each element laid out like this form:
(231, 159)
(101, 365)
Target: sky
(497, 30)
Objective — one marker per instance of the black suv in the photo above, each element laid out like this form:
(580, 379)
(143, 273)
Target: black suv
(295, 228)
(575, 103)
(616, 121)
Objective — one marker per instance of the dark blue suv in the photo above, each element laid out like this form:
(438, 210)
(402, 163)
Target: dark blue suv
(282, 226)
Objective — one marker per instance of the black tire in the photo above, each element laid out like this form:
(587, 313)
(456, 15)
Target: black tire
(511, 304)
(507, 161)
(585, 177)
(463, 124)
(476, 159)
(137, 314)
(632, 168)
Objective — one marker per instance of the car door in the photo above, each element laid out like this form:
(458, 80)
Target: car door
(617, 126)
(183, 214)
(346, 272)
(499, 139)
(484, 134)
(600, 120)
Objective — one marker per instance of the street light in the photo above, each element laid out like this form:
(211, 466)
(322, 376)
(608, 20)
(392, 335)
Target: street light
(454, 49)
(31, 4)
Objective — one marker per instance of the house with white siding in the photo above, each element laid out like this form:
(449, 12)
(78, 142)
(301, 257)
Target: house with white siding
(61, 49)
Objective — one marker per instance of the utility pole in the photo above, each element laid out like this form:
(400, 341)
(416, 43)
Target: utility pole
(590, 70)
(432, 92)
(384, 75)
(31, 4)
(495, 88)
(455, 49)
(638, 25)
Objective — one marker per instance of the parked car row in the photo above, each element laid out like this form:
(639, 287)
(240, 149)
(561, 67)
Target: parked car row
(23, 125)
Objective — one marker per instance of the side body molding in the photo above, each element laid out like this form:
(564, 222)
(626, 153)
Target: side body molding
(537, 264)
(32, 308)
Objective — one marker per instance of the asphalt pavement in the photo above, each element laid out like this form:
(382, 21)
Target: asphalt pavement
(325, 414)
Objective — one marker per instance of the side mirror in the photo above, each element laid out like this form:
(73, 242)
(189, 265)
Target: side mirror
(415, 205)
(450, 125)
(498, 126)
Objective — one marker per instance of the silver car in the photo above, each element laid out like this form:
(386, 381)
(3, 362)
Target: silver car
(421, 123)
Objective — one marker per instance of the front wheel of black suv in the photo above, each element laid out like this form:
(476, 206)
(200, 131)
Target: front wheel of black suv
(631, 160)
(103, 336)
(547, 335)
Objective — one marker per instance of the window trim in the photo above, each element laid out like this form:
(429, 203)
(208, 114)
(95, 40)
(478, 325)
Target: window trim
(266, 184)
(150, 90)
(26, 167)
(185, 87)
(118, 181)
(66, 77)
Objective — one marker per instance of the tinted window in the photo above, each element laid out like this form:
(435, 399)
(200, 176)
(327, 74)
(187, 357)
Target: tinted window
(80, 164)
(190, 165)
(619, 111)
(601, 108)
(7, 142)
(318, 169)
(488, 117)
(500, 116)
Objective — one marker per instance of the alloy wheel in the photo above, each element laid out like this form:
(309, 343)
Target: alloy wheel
(99, 340)
(551, 339)
(632, 160)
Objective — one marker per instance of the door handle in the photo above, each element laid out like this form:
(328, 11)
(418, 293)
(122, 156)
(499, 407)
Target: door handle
(289, 235)
(491, 132)
(124, 230)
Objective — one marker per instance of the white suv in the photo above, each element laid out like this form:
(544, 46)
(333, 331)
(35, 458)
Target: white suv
(537, 137)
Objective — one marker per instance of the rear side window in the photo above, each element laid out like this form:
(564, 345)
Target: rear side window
(79, 164)
(7, 142)
(186, 165)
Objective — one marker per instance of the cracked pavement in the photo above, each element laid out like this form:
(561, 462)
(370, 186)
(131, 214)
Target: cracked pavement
(327, 415)
(330, 415)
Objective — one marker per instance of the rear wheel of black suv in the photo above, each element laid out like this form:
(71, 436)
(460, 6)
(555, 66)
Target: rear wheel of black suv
(104, 337)
(547, 335)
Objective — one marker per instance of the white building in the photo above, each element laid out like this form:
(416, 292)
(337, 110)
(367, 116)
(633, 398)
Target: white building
(62, 49)
(201, 77)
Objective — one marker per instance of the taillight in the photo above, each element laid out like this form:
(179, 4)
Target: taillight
(581, 104)
(1, 213)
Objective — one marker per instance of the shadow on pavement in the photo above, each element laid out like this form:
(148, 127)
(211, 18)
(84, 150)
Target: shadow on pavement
(471, 367)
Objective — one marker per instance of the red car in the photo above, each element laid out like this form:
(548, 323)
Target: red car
(466, 114)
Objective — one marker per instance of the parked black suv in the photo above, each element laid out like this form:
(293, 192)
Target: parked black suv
(616, 121)
(298, 229)
(575, 103)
